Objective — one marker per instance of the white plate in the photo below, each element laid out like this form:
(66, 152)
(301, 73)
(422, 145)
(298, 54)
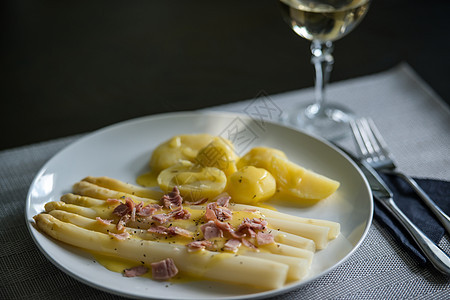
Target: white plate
(122, 151)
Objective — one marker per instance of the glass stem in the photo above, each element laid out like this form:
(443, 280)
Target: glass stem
(323, 60)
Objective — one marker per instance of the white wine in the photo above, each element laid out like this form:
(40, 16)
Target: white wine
(323, 20)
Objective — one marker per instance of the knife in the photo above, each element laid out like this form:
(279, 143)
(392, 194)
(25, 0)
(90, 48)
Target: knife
(383, 195)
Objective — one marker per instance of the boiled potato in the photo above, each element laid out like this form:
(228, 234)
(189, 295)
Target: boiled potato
(180, 147)
(251, 185)
(301, 182)
(290, 177)
(259, 157)
(193, 181)
(219, 153)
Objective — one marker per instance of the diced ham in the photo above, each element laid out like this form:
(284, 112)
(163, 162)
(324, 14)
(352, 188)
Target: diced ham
(175, 214)
(232, 245)
(223, 213)
(164, 269)
(148, 210)
(215, 212)
(112, 201)
(222, 199)
(258, 224)
(131, 208)
(158, 230)
(139, 206)
(120, 226)
(180, 214)
(251, 233)
(223, 226)
(161, 218)
(198, 202)
(263, 238)
(210, 230)
(103, 221)
(135, 209)
(135, 271)
(210, 214)
(228, 230)
(172, 230)
(249, 244)
(251, 228)
(127, 210)
(175, 230)
(172, 199)
(121, 210)
(253, 224)
(175, 192)
(119, 236)
(199, 245)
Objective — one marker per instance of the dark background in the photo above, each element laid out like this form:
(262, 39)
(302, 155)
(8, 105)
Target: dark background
(69, 67)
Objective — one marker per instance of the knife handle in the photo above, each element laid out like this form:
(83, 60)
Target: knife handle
(435, 255)
(440, 215)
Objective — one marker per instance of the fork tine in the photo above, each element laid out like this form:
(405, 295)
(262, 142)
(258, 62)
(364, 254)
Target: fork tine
(379, 138)
(371, 144)
(366, 136)
(358, 139)
(365, 140)
(366, 124)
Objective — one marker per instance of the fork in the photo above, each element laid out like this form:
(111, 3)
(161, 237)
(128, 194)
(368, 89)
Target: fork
(374, 151)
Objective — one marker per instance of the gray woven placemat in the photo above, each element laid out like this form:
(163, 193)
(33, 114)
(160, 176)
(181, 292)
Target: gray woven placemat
(379, 269)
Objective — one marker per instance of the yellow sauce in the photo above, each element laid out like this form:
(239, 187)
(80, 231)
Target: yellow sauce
(148, 179)
(118, 265)
(265, 205)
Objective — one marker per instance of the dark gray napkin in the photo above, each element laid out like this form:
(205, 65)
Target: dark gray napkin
(413, 207)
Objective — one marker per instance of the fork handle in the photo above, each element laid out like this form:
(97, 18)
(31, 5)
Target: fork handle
(435, 255)
(440, 215)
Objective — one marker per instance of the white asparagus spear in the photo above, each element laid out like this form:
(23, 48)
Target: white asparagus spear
(85, 188)
(124, 187)
(298, 267)
(335, 228)
(83, 211)
(95, 225)
(286, 250)
(290, 239)
(209, 265)
(319, 234)
(81, 200)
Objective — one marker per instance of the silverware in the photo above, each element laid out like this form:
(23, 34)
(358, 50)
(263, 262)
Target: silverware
(374, 151)
(383, 195)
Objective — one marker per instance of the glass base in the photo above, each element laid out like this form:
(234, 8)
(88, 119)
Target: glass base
(332, 124)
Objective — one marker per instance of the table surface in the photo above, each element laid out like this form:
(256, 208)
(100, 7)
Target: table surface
(415, 126)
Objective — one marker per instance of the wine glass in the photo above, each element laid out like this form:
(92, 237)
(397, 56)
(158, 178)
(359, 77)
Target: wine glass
(322, 22)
